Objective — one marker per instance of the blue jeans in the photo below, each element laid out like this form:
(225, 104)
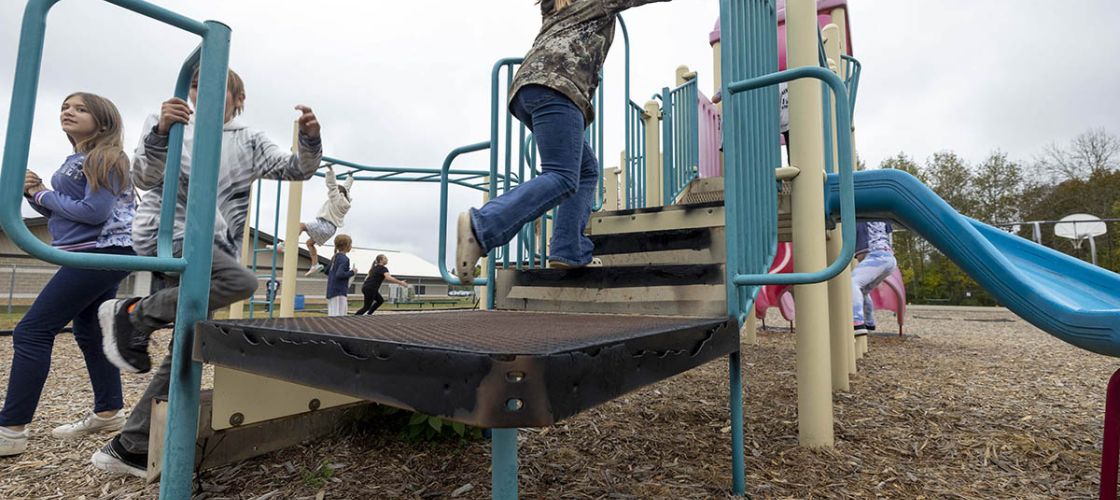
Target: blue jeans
(569, 176)
(868, 274)
(72, 294)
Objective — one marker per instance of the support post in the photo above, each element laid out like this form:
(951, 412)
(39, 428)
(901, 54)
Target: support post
(814, 379)
(290, 271)
(610, 185)
(839, 287)
(652, 119)
(1110, 447)
(484, 290)
(503, 464)
(734, 365)
(248, 251)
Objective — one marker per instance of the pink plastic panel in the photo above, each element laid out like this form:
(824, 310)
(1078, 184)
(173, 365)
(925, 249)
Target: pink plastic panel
(711, 137)
(770, 295)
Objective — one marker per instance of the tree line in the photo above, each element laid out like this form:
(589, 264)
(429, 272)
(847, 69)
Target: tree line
(1081, 176)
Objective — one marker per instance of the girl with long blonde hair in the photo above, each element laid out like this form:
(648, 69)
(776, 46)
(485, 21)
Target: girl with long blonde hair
(552, 95)
(89, 210)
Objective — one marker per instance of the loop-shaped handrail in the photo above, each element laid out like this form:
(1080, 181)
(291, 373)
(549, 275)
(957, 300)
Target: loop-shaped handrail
(443, 184)
(18, 142)
(852, 82)
(847, 197)
(174, 163)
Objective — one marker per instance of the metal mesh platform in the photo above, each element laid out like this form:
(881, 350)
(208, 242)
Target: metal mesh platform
(484, 368)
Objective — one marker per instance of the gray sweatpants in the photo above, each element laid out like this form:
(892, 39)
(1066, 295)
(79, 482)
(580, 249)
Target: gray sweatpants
(229, 282)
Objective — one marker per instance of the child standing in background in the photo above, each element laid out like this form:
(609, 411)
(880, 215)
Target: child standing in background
(371, 287)
(338, 277)
(90, 210)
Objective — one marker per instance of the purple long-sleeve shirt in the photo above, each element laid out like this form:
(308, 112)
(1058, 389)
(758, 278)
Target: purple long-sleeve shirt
(79, 217)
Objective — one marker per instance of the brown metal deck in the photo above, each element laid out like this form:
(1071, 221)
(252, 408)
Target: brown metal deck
(483, 368)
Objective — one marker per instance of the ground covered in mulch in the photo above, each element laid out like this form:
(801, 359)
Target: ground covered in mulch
(974, 404)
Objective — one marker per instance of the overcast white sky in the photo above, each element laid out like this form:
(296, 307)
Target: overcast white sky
(402, 83)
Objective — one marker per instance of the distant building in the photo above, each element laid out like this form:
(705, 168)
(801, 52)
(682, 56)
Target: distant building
(23, 276)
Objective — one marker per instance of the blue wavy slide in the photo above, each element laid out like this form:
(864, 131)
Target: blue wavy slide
(1066, 297)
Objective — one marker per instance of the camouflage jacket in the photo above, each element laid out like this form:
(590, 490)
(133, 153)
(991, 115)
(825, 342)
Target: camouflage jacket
(570, 49)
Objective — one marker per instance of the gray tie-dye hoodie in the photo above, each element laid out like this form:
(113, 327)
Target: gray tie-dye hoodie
(247, 155)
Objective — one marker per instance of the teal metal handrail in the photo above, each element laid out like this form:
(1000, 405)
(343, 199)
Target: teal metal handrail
(854, 68)
(470, 148)
(473, 179)
(681, 138)
(194, 265)
(847, 197)
(635, 167)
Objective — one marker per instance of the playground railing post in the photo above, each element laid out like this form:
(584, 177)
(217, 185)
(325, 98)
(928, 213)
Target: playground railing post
(652, 125)
(290, 274)
(814, 384)
(840, 286)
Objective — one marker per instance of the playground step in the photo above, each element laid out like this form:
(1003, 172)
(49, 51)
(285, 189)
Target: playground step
(640, 220)
(492, 369)
(702, 245)
(675, 290)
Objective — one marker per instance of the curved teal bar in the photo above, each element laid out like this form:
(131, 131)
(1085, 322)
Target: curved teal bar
(844, 181)
(18, 145)
(1072, 300)
(443, 184)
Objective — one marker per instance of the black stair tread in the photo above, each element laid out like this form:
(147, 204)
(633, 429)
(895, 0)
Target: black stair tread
(623, 276)
(652, 241)
(653, 210)
(468, 365)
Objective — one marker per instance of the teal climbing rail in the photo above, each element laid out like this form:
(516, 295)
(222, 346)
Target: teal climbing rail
(443, 185)
(680, 138)
(194, 265)
(635, 167)
(847, 198)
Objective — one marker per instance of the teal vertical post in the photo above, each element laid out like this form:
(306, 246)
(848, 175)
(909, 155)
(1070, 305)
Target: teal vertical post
(738, 481)
(194, 288)
(667, 163)
(503, 464)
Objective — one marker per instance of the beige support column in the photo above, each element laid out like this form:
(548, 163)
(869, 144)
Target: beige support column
(622, 195)
(290, 271)
(814, 378)
(840, 19)
(717, 74)
(749, 331)
(484, 290)
(652, 119)
(839, 287)
(683, 74)
(610, 185)
(237, 309)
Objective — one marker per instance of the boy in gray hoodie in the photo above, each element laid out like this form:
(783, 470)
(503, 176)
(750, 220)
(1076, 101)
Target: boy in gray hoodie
(127, 324)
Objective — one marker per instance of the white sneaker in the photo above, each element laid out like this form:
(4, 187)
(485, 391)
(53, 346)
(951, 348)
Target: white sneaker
(467, 250)
(318, 268)
(12, 442)
(89, 425)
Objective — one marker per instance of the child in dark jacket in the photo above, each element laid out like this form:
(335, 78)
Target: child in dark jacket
(338, 277)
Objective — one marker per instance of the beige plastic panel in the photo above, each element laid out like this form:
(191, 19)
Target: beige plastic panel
(259, 398)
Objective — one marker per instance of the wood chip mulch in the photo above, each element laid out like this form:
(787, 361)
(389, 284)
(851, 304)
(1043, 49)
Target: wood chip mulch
(970, 404)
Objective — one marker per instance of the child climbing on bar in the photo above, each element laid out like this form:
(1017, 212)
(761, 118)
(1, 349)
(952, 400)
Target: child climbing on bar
(89, 210)
(247, 155)
(552, 95)
(331, 215)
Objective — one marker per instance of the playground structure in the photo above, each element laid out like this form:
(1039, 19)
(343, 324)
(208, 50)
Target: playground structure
(687, 244)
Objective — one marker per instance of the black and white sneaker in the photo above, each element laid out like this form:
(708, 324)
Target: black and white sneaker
(860, 330)
(124, 345)
(114, 458)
